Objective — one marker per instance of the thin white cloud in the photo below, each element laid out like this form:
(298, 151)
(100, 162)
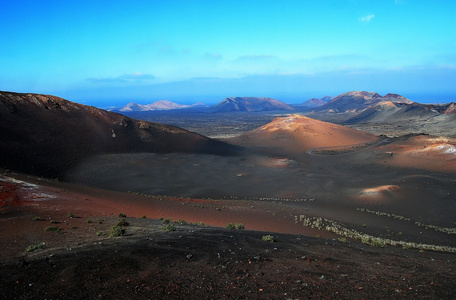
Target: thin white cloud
(136, 77)
(367, 19)
(260, 57)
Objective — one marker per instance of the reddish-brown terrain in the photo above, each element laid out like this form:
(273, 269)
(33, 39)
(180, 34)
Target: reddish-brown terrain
(297, 134)
(352, 215)
(194, 262)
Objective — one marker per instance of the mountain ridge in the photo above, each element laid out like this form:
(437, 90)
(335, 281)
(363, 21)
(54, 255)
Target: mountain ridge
(46, 135)
(250, 104)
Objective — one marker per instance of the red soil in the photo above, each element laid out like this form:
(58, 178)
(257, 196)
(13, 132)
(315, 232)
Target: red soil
(423, 152)
(297, 134)
(8, 194)
(193, 262)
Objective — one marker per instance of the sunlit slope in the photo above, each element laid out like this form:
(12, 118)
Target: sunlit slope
(297, 134)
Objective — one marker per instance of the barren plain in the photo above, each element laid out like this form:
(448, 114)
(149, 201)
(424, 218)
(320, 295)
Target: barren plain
(296, 209)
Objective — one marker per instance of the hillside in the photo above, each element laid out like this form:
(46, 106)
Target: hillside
(353, 102)
(47, 135)
(362, 107)
(250, 104)
(297, 134)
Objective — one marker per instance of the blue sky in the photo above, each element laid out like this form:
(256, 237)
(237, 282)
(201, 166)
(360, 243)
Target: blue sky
(114, 52)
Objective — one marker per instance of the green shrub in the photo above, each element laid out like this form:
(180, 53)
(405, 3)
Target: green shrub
(169, 227)
(235, 226)
(373, 242)
(32, 248)
(180, 222)
(53, 222)
(268, 238)
(122, 215)
(117, 231)
(376, 242)
(37, 218)
(52, 228)
(101, 233)
(342, 240)
(89, 221)
(70, 215)
(239, 226)
(230, 226)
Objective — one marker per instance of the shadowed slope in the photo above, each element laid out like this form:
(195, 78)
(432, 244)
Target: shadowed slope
(297, 134)
(46, 135)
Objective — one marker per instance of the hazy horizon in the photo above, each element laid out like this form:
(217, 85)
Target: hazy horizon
(110, 53)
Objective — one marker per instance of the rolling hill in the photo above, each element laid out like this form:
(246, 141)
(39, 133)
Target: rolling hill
(297, 134)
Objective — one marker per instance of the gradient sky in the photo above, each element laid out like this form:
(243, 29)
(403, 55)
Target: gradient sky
(114, 52)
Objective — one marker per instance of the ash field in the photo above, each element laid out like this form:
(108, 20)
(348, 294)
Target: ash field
(354, 209)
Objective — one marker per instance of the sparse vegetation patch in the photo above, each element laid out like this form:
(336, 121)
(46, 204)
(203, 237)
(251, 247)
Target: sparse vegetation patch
(235, 226)
(447, 230)
(268, 238)
(32, 248)
(52, 228)
(117, 231)
(337, 228)
(169, 227)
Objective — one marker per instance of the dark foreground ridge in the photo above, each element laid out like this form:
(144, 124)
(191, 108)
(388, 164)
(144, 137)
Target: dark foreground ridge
(47, 135)
(208, 263)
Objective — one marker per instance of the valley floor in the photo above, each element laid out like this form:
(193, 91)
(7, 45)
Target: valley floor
(194, 261)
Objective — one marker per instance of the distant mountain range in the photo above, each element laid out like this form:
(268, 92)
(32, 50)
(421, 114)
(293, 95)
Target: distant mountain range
(157, 105)
(360, 100)
(250, 104)
(363, 107)
(315, 102)
(230, 104)
(351, 107)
